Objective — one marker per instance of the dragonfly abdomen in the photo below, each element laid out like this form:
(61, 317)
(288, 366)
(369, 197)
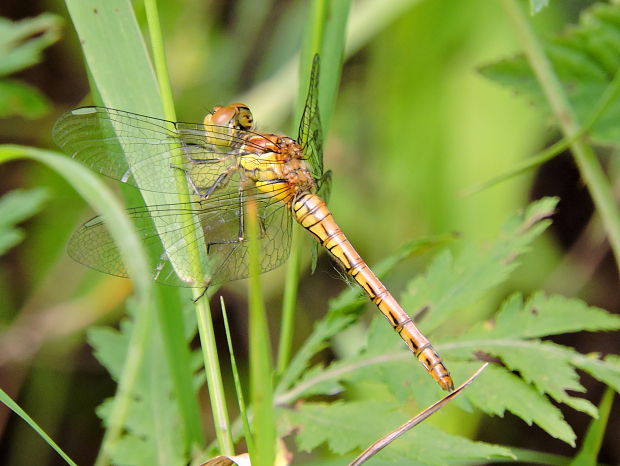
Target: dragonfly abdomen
(312, 213)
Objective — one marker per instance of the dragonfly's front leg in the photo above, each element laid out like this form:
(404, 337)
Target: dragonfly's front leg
(204, 193)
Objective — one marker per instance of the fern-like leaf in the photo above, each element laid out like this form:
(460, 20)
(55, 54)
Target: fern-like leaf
(585, 58)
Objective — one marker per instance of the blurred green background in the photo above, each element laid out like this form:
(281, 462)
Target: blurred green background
(414, 127)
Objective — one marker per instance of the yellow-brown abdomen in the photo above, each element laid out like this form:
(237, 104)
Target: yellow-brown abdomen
(312, 213)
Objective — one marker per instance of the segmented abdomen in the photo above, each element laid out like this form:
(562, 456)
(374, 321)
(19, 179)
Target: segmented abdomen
(312, 213)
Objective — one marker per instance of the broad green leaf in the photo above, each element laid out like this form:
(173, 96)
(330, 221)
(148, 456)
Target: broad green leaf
(15, 207)
(451, 284)
(585, 58)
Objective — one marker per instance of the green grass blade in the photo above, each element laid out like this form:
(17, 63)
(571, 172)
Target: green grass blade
(289, 301)
(6, 399)
(243, 413)
(588, 453)
(159, 59)
(214, 376)
(203, 312)
(325, 36)
(179, 363)
(261, 374)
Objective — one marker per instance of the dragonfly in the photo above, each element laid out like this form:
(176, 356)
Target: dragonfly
(224, 163)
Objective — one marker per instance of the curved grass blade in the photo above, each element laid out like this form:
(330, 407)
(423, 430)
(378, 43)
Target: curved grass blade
(8, 401)
(243, 413)
(100, 197)
(589, 450)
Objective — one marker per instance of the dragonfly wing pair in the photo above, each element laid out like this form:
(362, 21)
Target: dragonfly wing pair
(150, 154)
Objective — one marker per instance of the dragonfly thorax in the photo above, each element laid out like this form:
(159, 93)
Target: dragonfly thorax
(279, 169)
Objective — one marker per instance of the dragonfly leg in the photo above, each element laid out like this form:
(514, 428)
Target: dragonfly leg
(203, 193)
(220, 181)
(189, 180)
(241, 238)
(204, 291)
(261, 221)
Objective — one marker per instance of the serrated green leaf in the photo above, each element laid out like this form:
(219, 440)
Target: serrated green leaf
(153, 432)
(551, 368)
(348, 426)
(497, 391)
(607, 370)
(343, 426)
(110, 347)
(452, 284)
(140, 445)
(431, 446)
(15, 207)
(404, 377)
(547, 366)
(543, 315)
(585, 58)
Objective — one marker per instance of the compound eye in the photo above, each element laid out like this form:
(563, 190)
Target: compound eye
(222, 116)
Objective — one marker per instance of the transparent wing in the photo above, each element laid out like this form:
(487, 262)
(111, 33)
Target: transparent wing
(148, 152)
(221, 227)
(310, 135)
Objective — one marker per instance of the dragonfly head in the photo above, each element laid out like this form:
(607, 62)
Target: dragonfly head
(235, 116)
